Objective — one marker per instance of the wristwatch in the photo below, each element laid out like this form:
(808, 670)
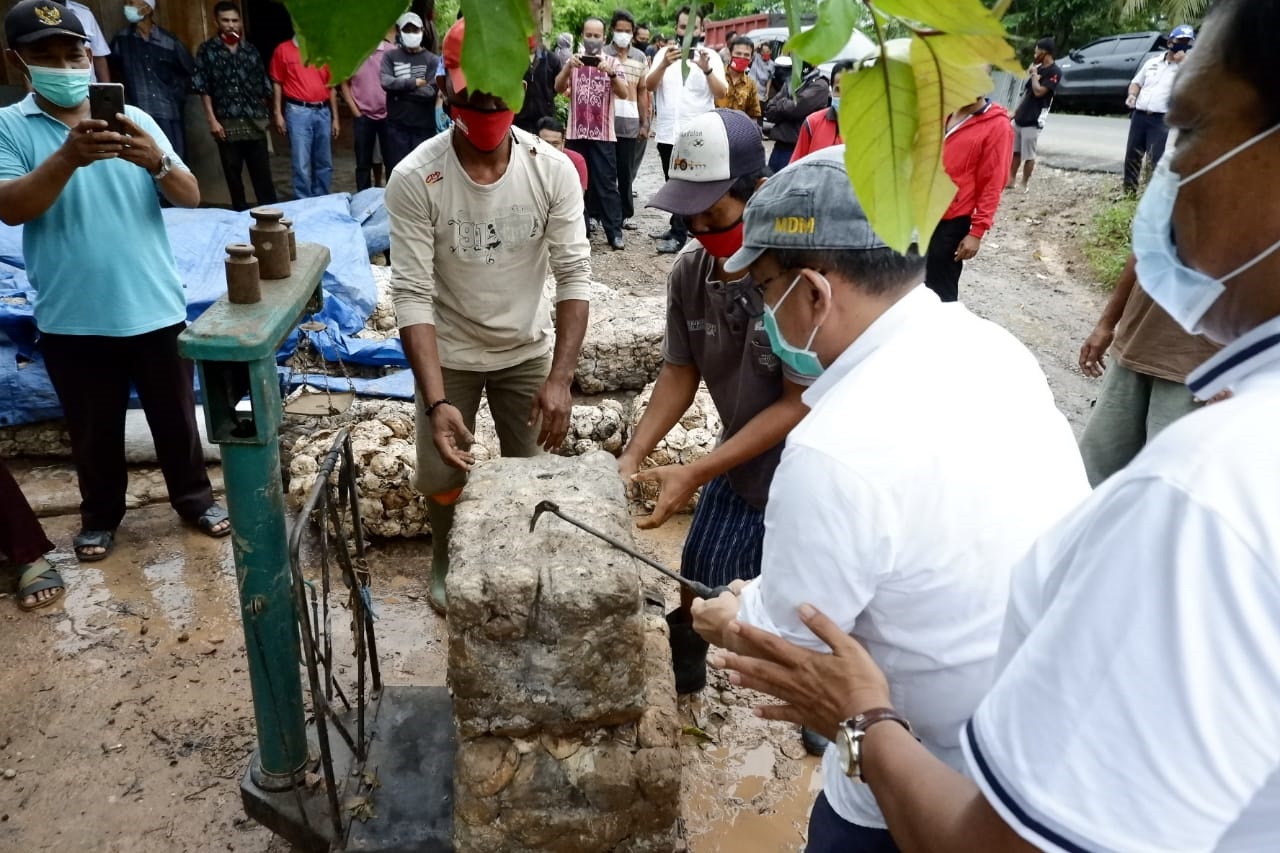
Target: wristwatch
(851, 732)
(166, 166)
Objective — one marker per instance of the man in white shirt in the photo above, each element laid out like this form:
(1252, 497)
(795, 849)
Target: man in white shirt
(679, 99)
(1137, 706)
(478, 215)
(906, 541)
(1149, 99)
(97, 41)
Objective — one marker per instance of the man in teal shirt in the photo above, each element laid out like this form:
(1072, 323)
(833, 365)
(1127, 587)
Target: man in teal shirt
(109, 303)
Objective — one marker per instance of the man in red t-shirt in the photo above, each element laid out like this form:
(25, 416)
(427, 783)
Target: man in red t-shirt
(306, 111)
(592, 80)
(551, 131)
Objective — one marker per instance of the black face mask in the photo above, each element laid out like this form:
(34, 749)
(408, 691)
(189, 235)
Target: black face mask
(638, 44)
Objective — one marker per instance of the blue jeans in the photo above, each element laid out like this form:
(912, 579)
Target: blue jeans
(310, 145)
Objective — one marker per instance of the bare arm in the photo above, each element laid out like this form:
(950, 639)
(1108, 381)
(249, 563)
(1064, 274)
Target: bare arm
(618, 81)
(769, 427)
(571, 330)
(27, 198)
(350, 99)
(562, 79)
(672, 396)
(333, 112)
(277, 102)
(1104, 333)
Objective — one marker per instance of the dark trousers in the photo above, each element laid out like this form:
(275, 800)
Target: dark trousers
(235, 157)
(642, 144)
(830, 833)
(177, 136)
(781, 156)
(368, 131)
(679, 228)
(92, 375)
(22, 540)
(1147, 136)
(942, 270)
(603, 202)
(626, 155)
(401, 140)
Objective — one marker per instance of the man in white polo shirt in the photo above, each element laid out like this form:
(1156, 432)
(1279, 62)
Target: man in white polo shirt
(1137, 707)
(906, 541)
(1149, 99)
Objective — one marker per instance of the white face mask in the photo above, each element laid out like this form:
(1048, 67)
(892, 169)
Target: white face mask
(622, 40)
(413, 41)
(1186, 294)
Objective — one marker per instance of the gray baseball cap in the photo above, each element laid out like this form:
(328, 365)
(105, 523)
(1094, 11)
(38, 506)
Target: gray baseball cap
(808, 205)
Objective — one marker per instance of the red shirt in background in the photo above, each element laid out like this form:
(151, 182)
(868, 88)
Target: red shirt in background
(579, 163)
(977, 154)
(820, 130)
(300, 82)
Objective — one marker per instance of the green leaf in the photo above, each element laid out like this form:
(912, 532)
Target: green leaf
(1002, 6)
(495, 54)
(836, 21)
(341, 35)
(968, 17)
(878, 121)
(946, 78)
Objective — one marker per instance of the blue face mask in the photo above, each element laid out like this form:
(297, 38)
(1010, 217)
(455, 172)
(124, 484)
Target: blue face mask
(835, 103)
(132, 15)
(1186, 294)
(65, 87)
(802, 360)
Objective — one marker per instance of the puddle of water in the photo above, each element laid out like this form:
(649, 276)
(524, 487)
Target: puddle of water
(85, 606)
(167, 583)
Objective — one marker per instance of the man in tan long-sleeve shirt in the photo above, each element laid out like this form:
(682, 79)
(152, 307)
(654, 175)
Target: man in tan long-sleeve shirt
(477, 216)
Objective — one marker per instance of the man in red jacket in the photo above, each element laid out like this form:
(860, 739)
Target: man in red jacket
(977, 153)
(822, 128)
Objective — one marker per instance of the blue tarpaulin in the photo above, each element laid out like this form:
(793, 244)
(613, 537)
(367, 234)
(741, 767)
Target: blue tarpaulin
(199, 238)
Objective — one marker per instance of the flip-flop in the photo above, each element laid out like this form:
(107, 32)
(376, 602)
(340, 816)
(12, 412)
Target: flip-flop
(210, 518)
(103, 539)
(38, 577)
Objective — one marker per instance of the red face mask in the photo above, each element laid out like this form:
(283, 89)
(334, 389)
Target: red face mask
(231, 39)
(485, 129)
(723, 242)
(740, 63)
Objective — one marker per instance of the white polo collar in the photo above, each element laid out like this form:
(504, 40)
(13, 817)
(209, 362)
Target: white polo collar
(919, 301)
(1256, 351)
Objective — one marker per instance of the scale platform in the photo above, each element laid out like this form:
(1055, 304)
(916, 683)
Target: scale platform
(411, 753)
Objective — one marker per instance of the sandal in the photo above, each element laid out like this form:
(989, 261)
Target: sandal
(38, 577)
(211, 518)
(85, 539)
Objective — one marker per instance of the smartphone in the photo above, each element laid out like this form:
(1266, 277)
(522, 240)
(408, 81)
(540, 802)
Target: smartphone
(693, 54)
(105, 101)
(593, 61)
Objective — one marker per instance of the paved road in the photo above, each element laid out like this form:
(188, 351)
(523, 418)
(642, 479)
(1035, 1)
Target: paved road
(1089, 143)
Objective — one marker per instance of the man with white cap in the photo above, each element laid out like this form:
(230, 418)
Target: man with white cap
(409, 79)
(714, 334)
(156, 69)
(904, 540)
(479, 215)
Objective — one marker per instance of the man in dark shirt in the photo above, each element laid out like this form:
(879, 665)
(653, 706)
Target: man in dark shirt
(232, 81)
(409, 78)
(540, 88)
(155, 68)
(1042, 80)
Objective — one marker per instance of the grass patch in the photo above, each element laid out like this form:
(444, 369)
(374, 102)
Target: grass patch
(1109, 238)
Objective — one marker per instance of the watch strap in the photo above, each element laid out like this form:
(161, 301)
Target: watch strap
(869, 718)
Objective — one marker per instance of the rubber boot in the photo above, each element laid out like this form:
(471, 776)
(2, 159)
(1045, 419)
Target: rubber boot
(688, 653)
(441, 518)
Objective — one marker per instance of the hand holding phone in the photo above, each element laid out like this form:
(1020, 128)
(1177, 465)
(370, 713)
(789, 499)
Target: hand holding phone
(106, 100)
(588, 59)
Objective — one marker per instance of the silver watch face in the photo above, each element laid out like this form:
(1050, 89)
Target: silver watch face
(844, 748)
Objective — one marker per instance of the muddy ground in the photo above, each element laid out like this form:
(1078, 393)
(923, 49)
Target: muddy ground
(126, 721)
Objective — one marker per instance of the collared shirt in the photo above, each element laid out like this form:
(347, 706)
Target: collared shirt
(300, 82)
(157, 70)
(906, 541)
(1136, 707)
(742, 96)
(471, 259)
(708, 328)
(97, 41)
(366, 84)
(591, 101)
(1156, 78)
(236, 80)
(678, 100)
(99, 258)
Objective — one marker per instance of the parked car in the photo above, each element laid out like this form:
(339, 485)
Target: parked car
(858, 48)
(1098, 74)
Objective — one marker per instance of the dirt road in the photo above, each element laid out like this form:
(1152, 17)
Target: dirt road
(126, 719)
